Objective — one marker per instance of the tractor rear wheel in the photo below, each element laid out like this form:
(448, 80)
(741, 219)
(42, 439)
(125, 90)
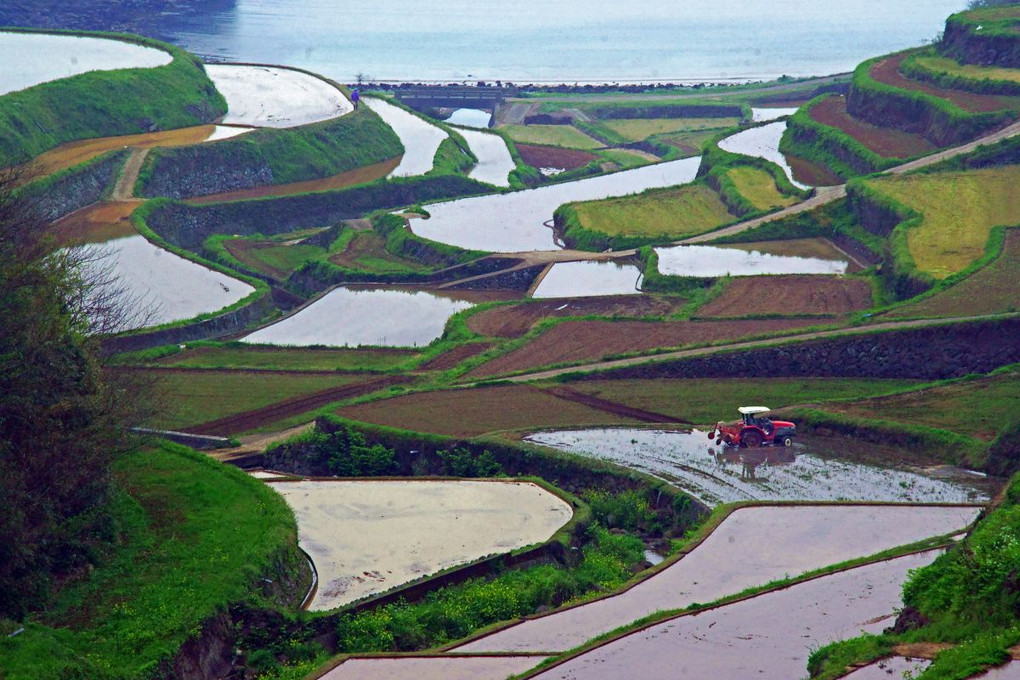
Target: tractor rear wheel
(751, 439)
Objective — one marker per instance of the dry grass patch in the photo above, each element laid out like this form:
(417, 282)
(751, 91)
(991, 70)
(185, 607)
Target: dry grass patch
(552, 135)
(471, 412)
(959, 210)
(969, 71)
(676, 212)
(759, 187)
(638, 129)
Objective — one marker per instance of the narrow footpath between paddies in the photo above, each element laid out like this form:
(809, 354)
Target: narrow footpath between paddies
(752, 547)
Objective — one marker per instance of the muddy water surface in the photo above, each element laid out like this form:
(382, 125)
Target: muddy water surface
(767, 637)
(589, 279)
(33, 58)
(752, 547)
(516, 221)
(761, 142)
(367, 537)
(433, 668)
(893, 668)
(421, 139)
(720, 474)
(348, 317)
(1011, 671)
(494, 161)
(709, 261)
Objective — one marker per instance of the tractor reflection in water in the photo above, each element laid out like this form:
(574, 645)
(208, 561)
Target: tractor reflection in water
(750, 459)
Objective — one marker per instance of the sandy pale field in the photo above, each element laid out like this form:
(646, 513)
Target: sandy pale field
(367, 537)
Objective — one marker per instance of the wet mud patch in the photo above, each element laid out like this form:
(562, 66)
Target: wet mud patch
(790, 295)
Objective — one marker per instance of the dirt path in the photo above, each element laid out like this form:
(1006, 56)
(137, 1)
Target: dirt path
(250, 420)
(124, 190)
(702, 351)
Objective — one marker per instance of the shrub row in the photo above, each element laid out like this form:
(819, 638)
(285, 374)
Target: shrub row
(107, 103)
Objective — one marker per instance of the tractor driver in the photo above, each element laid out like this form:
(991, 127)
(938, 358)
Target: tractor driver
(765, 424)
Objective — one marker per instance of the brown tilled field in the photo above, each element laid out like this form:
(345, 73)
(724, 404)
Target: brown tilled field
(828, 295)
(553, 156)
(812, 174)
(886, 142)
(578, 341)
(455, 356)
(888, 71)
(471, 412)
(516, 320)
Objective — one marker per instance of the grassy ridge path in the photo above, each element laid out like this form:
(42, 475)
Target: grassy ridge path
(124, 189)
(750, 344)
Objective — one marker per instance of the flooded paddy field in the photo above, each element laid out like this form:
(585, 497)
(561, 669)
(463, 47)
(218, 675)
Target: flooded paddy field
(578, 341)
(752, 547)
(516, 221)
(267, 96)
(433, 668)
(765, 115)
(769, 636)
(494, 160)
(793, 295)
(892, 668)
(366, 537)
(713, 261)
(472, 118)
(761, 142)
(162, 286)
(351, 317)
(589, 279)
(720, 474)
(41, 57)
(420, 138)
(97, 223)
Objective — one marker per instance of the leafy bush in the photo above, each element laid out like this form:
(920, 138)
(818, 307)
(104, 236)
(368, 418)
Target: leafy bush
(460, 462)
(627, 510)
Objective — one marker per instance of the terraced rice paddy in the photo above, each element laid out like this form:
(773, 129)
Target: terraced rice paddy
(472, 118)
(349, 317)
(752, 547)
(993, 288)
(580, 341)
(969, 71)
(790, 295)
(885, 141)
(712, 261)
(267, 96)
(720, 474)
(888, 71)
(512, 321)
(43, 57)
(516, 221)
(638, 129)
(367, 537)
(765, 115)
(421, 139)
(893, 667)
(97, 223)
(678, 212)
(588, 279)
(759, 187)
(164, 287)
(239, 356)
(494, 160)
(433, 668)
(761, 142)
(959, 210)
(977, 407)
(471, 412)
(554, 157)
(566, 136)
(766, 636)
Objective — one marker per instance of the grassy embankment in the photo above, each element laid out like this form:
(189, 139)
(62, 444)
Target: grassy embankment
(967, 598)
(193, 538)
(107, 103)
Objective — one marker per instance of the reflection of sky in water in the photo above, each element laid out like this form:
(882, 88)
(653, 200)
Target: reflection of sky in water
(718, 474)
(472, 118)
(420, 139)
(761, 142)
(494, 160)
(709, 261)
(585, 279)
(345, 317)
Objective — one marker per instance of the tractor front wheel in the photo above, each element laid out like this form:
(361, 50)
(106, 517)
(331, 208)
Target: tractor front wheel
(787, 441)
(751, 439)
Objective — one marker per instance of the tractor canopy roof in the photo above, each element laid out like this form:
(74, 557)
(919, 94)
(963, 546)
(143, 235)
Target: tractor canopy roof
(751, 410)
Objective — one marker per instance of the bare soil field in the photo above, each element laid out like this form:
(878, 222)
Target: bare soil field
(342, 180)
(886, 142)
(994, 288)
(888, 71)
(289, 359)
(812, 174)
(515, 321)
(471, 412)
(578, 341)
(828, 295)
(553, 156)
(455, 356)
(73, 153)
(367, 250)
(96, 223)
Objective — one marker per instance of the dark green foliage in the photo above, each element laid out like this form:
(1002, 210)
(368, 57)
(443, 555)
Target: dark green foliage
(107, 103)
(457, 611)
(461, 462)
(345, 452)
(655, 282)
(625, 510)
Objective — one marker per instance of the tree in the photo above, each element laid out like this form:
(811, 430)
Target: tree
(61, 418)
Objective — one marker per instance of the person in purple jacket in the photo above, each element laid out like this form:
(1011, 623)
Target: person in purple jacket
(355, 97)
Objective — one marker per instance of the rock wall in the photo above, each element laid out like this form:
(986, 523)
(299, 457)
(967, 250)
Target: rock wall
(929, 353)
(78, 187)
(224, 324)
(204, 170)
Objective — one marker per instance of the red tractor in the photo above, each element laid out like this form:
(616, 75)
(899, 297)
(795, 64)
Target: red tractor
(754, 430)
